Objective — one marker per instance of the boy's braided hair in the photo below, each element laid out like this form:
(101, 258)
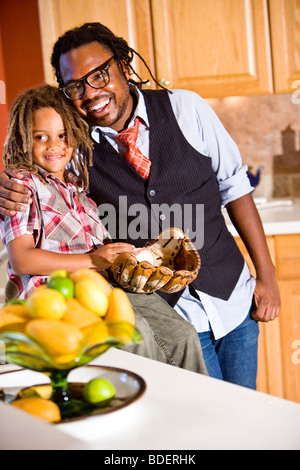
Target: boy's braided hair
(19, 140)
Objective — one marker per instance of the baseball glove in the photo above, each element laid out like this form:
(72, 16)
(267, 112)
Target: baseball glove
(168, 263)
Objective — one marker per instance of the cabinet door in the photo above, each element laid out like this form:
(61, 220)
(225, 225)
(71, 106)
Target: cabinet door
(126, 18)
(288, 271)
(290, 338)
(285, 39)
(216, 48)
(269, 373)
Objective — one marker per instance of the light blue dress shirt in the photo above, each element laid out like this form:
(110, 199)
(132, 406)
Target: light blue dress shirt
(204, 131)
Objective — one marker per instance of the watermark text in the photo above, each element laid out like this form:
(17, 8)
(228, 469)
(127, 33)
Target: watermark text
(296, 353)
(138, 221)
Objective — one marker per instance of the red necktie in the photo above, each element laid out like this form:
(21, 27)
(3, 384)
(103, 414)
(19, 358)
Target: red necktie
(134, 156)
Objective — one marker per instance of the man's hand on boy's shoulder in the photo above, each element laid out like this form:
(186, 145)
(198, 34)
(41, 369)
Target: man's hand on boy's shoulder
(12, 194)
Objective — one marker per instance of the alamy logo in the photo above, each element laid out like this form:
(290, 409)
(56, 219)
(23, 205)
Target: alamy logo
(2, 92)
(139, 222)
(296, 94)
(296, 353)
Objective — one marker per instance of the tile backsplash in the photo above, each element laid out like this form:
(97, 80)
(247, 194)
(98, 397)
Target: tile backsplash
(267, 131)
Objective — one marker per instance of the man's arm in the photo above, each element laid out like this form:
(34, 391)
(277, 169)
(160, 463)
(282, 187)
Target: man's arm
(12, 194)
(247, 222)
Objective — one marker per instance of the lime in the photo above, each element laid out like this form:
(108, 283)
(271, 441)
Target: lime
(98, 391)
(15, 302)
(64, 285)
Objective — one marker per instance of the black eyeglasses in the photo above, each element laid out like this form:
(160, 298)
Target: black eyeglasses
(96, 78)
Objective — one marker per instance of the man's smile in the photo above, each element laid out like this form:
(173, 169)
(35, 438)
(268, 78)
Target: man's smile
(97, 105)
(108, 106)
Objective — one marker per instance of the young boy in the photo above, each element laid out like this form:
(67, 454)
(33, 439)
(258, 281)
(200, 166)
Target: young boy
(61, 228)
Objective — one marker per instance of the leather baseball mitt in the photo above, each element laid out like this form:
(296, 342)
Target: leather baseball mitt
(168, 263)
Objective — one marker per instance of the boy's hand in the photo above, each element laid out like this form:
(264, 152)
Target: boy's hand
(12, 194)
(105, 255)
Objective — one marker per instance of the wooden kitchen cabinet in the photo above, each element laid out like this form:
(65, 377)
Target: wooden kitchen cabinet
(290, 338)
(227, 47)
(288, 271)
(130, 19)
(285, 44)
(269, 374)
(279, 340)
(216, 48)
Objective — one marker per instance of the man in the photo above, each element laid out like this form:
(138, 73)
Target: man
(188, 160)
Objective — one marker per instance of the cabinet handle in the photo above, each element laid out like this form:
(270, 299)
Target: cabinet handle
(164, 82)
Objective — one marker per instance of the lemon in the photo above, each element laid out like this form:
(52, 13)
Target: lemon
(90, 295)
(98, 391)
(47, 410)
(64, 285)
(85, 274)
(59, 273)
(46, 303)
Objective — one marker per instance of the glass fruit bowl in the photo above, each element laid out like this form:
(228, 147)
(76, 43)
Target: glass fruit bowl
(22, 350)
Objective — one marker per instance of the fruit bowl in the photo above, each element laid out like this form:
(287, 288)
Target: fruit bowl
(64, 324)
(22, 350)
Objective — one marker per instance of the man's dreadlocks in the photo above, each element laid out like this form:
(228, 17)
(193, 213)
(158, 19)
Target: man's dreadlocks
(91, 32)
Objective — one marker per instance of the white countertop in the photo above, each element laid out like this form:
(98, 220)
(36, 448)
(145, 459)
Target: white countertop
(279, 216)
(179, 410)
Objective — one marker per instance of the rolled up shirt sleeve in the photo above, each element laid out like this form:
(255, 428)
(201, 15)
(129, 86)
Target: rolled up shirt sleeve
(234, 186)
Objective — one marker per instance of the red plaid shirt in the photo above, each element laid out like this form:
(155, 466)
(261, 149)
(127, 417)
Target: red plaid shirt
(59, 221)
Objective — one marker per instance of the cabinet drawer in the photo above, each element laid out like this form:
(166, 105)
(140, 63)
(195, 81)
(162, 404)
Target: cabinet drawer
(287, 249)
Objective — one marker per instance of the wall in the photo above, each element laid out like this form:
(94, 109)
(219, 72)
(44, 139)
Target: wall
(3, 105)
(21, 63)
(267, 131)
